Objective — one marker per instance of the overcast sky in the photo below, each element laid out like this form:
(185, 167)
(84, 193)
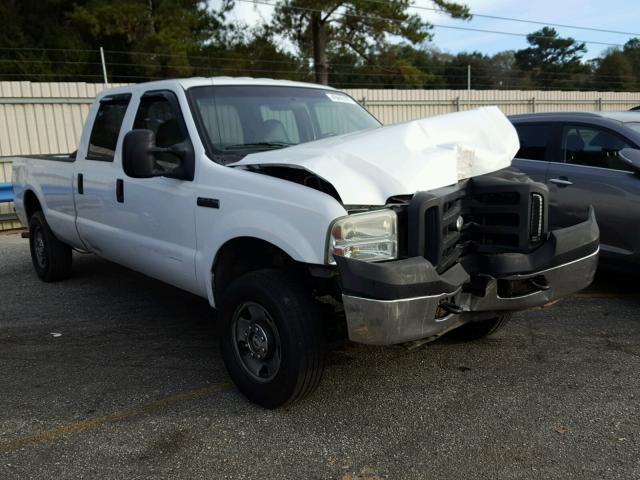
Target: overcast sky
(621, 15)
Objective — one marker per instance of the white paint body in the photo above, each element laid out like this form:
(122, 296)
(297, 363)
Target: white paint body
(161, 232)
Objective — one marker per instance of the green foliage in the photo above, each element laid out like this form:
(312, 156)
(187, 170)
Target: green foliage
(253, 55)
(351, 44)
(362, 27)
(167, 30)
(551, 60)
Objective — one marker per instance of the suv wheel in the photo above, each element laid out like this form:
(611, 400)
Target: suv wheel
(271, 340)
(477, 330)
(51, 258)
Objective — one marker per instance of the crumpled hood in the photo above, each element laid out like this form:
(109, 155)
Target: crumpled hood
(368, 167)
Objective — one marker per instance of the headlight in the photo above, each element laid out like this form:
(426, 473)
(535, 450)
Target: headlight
(370, 236)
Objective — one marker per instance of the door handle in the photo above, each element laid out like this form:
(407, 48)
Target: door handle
(562, 181)
(80, 184)
(120, 190)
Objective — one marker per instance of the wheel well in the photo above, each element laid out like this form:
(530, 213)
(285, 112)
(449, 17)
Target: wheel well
(243, 255)
(31, 204)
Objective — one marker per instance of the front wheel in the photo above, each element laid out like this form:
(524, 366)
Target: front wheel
(477, 330)
(271, 341)
(51, 258)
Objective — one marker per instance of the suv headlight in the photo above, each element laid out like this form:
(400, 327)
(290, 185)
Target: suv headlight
(369, 236)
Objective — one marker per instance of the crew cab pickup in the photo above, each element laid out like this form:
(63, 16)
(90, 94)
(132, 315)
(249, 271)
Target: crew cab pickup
(273, 199)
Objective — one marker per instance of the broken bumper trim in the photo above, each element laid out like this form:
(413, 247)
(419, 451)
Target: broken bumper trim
(416, 298)
(388, 322)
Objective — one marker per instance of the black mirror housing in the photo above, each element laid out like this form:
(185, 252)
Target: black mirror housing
(631, 156)
(137, 154)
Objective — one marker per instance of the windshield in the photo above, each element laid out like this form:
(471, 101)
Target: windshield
(239, 119)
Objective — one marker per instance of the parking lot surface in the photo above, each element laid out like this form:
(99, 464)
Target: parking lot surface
(114, 375)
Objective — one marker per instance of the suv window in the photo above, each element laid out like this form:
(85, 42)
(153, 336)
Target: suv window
(235, 120)
(282, 118)
(159, 112)
(106, 128)
(593, 147)
(534, 141)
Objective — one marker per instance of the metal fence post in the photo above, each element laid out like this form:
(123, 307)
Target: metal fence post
(599, 104)
(104, 67)
(468, 86)
(456, 102)
(533, 104)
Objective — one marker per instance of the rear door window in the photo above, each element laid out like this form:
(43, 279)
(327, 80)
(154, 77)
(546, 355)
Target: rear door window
(535, 141)
(593, 147)
(106, 128)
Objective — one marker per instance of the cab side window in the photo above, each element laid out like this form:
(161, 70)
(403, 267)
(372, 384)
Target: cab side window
(534, 141)
(106, 128)
(159, 112)
(593, 147)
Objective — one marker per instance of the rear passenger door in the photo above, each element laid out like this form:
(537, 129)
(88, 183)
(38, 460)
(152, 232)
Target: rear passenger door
(96, 168)
(590, 172)
(537, 144)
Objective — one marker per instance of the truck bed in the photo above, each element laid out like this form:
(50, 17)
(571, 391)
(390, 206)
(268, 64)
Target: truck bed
(51, 179)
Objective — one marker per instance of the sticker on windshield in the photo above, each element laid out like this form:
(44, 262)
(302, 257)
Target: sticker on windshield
(336, 97)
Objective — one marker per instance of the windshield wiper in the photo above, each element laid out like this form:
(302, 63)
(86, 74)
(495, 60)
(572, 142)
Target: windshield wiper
(267, 145)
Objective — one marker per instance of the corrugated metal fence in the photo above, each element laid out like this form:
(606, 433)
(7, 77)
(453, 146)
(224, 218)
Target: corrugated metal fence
(393, 106)
(48, 117)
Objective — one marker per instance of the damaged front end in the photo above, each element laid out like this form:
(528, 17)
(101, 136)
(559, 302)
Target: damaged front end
(466, 253)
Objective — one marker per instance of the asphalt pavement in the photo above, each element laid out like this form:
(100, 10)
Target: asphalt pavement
(114, 375)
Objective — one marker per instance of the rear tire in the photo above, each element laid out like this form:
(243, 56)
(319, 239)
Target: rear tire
(477, 330)
(271, 341)
(51, 258)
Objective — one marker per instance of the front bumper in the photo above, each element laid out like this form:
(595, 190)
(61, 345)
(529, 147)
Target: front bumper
(407, 300)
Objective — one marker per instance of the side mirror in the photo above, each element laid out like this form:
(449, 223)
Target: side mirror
(631, 156)
(142, 158)
(138, 160)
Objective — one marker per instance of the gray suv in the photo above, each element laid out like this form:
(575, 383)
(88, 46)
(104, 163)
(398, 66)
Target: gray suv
(588, 159)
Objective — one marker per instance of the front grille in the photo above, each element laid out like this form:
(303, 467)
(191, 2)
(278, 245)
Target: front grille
(497, 216)
(433, 230)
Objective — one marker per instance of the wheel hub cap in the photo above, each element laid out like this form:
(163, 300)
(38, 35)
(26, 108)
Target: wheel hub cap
(39, 247)
(256, 341)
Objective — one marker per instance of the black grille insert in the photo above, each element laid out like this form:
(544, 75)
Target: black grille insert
(483, 215)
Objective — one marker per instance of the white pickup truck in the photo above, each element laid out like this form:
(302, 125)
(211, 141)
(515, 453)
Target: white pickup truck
(270, 197)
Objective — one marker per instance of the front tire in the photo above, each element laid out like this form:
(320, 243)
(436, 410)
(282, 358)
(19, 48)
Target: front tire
(271, 340)
(477, 330)
(51, 258)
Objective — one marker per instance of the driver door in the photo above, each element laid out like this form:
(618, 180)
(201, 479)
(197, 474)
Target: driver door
(157, 215)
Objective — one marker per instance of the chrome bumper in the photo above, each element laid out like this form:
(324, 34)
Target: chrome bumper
(387, 322)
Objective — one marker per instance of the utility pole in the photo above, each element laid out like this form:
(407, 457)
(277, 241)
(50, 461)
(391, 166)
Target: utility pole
(104, 67)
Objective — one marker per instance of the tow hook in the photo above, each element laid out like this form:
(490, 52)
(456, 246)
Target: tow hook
(451, 307)
(540, 283)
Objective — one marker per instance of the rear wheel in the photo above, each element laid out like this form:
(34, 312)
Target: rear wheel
(51, 258)
(271, 340)
(477, 330)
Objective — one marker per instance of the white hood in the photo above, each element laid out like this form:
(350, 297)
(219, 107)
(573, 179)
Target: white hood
(368, 167)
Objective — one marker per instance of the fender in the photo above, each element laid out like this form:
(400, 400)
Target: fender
(302, 246)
